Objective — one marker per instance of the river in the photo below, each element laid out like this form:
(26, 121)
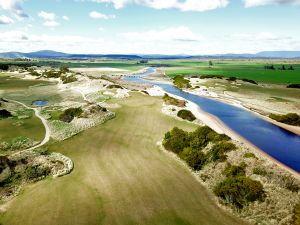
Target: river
(280, 144)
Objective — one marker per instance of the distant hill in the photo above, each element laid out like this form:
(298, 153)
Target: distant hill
(279, 54)
(48, 54)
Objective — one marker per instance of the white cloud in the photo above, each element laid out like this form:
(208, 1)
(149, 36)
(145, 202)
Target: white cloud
(98, 15)
(183, 5)
(13, 6)
(66, 18)
(50, 19)
(101, 29)
(51, 23)
(262, 36)
(181, 33)
(46, 15)
(13, 36)
(253, 3)
(6, 20)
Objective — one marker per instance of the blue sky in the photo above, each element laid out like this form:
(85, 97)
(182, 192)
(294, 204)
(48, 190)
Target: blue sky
(150, 26)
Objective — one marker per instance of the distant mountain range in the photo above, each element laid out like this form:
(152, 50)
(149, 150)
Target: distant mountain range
(48, 54)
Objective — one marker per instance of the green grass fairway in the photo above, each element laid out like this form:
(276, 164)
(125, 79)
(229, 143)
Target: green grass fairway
(253, 70)
(120, 177)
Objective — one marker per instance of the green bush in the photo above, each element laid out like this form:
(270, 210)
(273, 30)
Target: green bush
(176, 140)
(250, 81)
(12, 179)
(5, 114)
(195, 159)
(34, 172)
(69, 114)
(68, 79)
(235, 171)
(217, 153)
(173, 101)
(239, 191)
(290, 118)
(259, 171)
(52, 74)
(293, 86)
(186, 115)
(249, 155)
(211, 77)
(180, 82)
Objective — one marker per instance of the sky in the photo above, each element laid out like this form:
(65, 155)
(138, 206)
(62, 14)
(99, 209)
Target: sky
(193, 27)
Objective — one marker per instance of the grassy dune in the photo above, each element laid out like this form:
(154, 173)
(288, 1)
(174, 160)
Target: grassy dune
(120, 177)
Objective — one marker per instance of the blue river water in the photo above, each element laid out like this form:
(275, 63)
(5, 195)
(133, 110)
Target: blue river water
(281, 144)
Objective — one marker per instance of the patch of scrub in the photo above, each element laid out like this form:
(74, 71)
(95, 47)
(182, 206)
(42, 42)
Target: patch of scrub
(91, 116)
(30, 166)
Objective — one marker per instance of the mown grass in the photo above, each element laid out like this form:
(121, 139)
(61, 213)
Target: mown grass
(120, 177)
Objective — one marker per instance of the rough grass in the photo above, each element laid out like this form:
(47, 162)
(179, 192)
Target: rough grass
(11, 128)
(120, 177)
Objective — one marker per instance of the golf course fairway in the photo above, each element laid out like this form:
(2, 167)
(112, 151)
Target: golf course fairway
(120, 177)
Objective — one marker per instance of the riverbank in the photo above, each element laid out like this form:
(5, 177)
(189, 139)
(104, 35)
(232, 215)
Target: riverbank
(236, 102)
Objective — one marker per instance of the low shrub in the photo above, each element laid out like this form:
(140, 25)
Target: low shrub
(194, 158)
(11, 179)
(250, 81)
(259, 171)
(180, 82)
(231, 79)
(35, 172)
(68, 79)
(239, 191)
(293, 86)
(235, 171)
(176, 140)
(173, 101)
(290, 118)
(219, 150)
(289, 183)
(189, 145)
(249, 155)
(186, 115)
(296, 214)
(112, 86)
(211, 77)
(5, 114)
(69, 114)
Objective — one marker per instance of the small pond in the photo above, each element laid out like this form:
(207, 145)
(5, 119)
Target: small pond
(40, 103)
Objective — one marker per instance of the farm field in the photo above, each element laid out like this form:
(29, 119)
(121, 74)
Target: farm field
(120, 177)
(253, 70)
(242, 69)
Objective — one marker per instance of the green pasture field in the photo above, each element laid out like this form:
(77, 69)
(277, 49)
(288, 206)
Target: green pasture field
(253, 70)
(120, 177)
